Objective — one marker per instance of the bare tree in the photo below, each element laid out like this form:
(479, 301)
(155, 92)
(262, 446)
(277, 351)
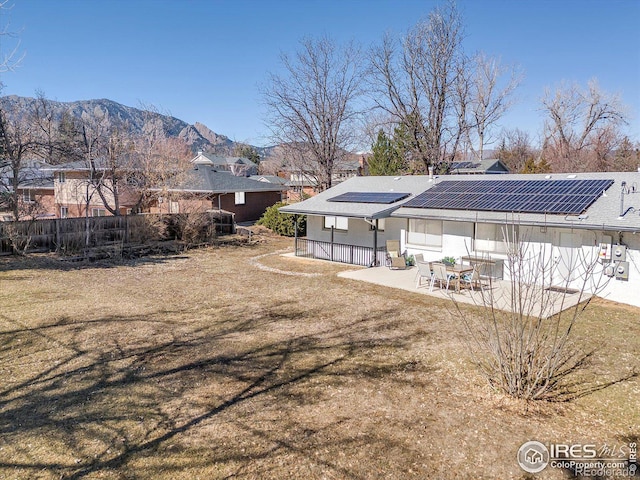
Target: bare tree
(160, 166)
(311, 105)
(16, 144)
(523, 339)
(13, 57)
(516, 149)
(574, 119)
(419, 82)
(491, 96)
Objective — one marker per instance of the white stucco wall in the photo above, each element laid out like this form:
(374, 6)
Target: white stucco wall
(359, 232)
(567, 256)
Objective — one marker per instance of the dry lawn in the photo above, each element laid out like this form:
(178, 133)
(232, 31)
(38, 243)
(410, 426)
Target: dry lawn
(206, 366)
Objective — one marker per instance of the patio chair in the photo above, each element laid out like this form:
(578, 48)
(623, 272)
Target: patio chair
(424, 271)
(473, 278)
(441, 276)
(394, 258)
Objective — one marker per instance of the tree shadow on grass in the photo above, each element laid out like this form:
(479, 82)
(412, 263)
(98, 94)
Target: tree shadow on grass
(61, 263)
(144, 397)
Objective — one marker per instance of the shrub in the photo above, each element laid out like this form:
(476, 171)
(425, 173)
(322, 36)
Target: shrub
(282, 223)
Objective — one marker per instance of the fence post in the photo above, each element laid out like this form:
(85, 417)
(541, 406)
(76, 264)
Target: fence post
(56, 240)
(126, 228)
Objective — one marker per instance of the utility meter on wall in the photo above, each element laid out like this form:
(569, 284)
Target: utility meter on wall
(622, 271)
(619, 253)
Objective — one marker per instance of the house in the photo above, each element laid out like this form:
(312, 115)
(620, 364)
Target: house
(239, 166)
(270, 179)
(486, 166)
(206, 188)
(561, 218)
(35, 191)
(75, 192)
(303, 182)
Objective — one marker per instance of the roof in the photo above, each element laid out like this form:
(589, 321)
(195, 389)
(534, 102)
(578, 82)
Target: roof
(34, 174)
(488, 165)
(320, 204)
(206, 179)
(270, 179)
(208, 159)
(603, 214)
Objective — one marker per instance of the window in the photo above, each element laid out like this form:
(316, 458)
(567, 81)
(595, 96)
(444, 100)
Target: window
(174, 207)
(239, 198)
(494, 238)
(338, 223)
(27, 197)
(62, 177)
(98, 212)
(425, 232)
(64, 212)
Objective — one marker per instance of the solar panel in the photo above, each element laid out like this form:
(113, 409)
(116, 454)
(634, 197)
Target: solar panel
(521, 196)
(369, 197)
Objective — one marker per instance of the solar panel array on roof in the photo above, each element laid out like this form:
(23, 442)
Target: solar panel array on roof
(522, 196)
(369, 197)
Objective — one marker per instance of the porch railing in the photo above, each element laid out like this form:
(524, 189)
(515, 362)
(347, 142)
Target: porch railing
(340, 252)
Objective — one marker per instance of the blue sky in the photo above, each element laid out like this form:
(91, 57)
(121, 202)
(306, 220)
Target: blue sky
(203, 60)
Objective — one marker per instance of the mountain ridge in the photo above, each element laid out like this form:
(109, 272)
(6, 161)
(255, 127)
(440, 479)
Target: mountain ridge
(197, 136)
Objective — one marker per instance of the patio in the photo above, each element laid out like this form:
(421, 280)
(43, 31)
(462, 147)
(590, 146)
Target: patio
(497, 292)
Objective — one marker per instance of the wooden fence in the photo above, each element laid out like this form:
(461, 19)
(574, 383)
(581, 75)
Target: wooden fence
(69, 235)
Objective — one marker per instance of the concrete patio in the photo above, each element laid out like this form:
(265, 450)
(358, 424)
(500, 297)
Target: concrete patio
(496, 292)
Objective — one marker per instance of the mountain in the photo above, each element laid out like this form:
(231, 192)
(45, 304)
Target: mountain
(197, 136)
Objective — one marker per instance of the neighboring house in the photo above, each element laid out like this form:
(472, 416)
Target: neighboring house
(75, 192)
(239, 166)
(205, 188)
(35, 191)
(274, 179)
(486, 166)
(561, 217)
(303, 183)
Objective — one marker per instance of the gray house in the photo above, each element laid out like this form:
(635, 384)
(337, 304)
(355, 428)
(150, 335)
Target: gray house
(564, 217)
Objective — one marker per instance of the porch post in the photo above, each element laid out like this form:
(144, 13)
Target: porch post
(332, 228)
(375, 244)
(295, 234)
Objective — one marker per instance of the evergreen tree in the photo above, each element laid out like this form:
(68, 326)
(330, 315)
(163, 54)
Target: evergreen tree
(386, 159)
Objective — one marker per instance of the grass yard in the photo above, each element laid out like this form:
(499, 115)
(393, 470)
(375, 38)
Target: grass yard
(213, 365)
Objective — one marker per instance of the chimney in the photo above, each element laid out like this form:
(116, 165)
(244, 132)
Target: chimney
(431, 173)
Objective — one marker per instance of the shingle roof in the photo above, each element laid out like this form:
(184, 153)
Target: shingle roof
(318, 205)
(270, 179)
(488, 165)
(205, 179)
(34, 174)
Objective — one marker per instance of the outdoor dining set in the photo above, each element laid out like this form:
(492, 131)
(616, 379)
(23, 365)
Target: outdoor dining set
(445, 273)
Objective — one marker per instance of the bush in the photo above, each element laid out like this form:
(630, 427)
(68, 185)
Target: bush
(282, 223)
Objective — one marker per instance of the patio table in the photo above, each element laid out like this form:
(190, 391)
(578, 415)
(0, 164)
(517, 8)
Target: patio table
(459, 271)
